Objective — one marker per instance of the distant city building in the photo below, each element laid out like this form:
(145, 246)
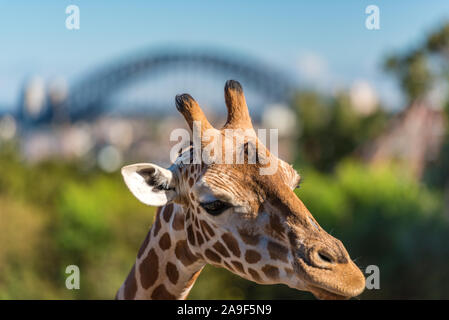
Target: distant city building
(363, 98)
(33, 97)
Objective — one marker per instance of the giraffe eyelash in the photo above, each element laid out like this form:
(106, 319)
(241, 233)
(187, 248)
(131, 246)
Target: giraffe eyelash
(215, 207)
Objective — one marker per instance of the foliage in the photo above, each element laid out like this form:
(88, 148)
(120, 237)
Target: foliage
(437, 174)
(413, 72)
(331, 129)
(417, 70)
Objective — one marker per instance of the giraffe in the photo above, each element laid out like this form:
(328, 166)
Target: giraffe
(231, 216)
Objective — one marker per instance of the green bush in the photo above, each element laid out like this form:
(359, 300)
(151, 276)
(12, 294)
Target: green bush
(389, 220)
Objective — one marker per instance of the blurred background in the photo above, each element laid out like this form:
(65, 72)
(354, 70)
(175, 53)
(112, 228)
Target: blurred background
(362, 115)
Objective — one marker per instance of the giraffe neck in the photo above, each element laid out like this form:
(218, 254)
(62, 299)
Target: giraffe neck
(165, 268)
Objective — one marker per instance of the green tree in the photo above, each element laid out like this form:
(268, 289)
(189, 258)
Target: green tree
(413, 73)
(331, 128)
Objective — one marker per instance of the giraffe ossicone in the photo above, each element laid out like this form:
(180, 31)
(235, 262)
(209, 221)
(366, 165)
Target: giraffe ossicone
(232, 216)
(214, 147)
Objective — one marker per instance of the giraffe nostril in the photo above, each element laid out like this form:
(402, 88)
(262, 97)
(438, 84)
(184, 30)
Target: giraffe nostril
(322, 258)
(325, 257)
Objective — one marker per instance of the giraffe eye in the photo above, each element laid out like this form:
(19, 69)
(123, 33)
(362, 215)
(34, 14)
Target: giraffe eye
(215, 207)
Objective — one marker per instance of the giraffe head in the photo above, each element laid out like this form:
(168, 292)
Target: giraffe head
(240, 217)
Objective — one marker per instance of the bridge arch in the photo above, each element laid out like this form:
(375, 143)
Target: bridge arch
(86, 96)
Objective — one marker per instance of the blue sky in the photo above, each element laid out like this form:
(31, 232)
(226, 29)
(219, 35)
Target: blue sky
(324, 43)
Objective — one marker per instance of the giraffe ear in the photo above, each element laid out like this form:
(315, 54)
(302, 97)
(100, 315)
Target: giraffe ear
(151, 184)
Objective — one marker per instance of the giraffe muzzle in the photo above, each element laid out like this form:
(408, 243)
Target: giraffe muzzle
(326, 269)
(327, 278)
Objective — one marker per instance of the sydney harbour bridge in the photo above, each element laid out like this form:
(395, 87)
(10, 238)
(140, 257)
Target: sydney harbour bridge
(100, 89)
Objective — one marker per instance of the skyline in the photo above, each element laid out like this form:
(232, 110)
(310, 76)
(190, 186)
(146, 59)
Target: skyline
(290, 37)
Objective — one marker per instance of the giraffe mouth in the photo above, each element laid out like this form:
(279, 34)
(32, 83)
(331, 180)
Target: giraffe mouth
(324, 294)
(337, 283)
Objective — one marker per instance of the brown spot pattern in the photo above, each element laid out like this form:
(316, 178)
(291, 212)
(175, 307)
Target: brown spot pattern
(164, 241)
(276, 225)
(231, 243)
(212, 256)
(149, 269)
(178, 221)
(248, 238)
(172, 272)
(277, 251)
(252, 256)
(184, 254)
(190, 235)
(161, 293)
(207, 228)
(168, 210)
(292, 238)
(130, 285)
(199, 237)
(254, 275)
(238, 266)
(221, 249)
(270, 271)
(157, 222)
